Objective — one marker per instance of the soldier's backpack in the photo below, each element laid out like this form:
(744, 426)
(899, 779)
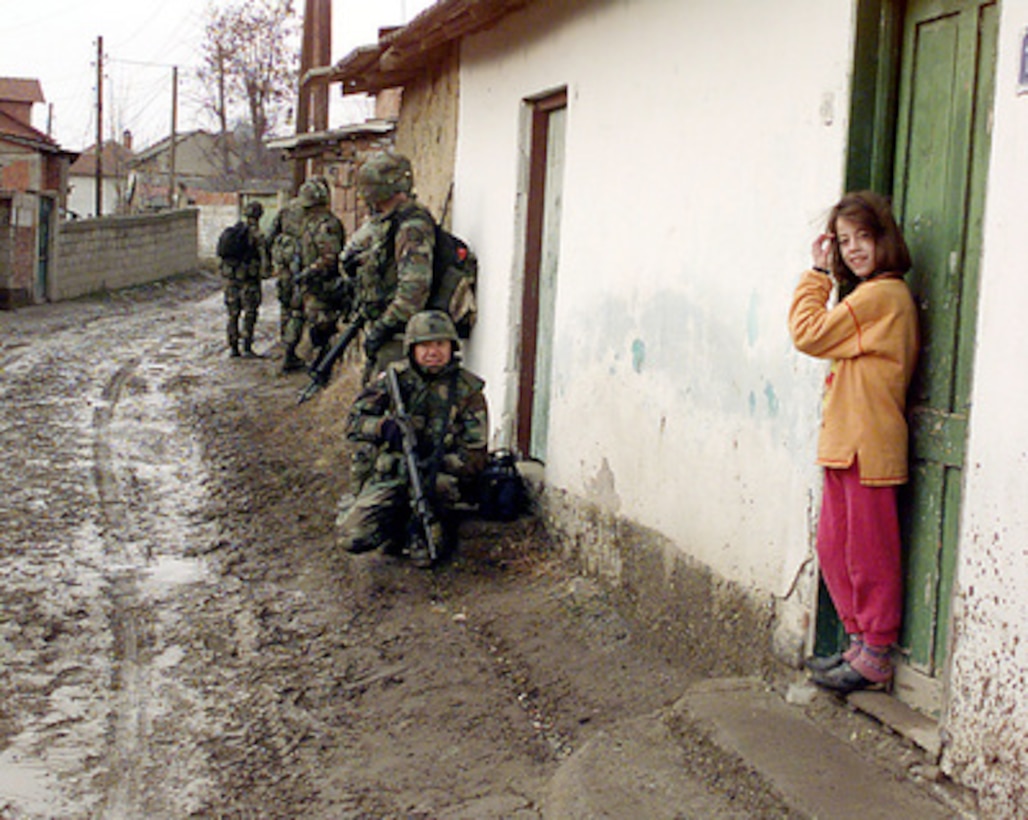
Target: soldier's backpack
(454, 280)
(502, 495)
(234, 243)
(454, 276)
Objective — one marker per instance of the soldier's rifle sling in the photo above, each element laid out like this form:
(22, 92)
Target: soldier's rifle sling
(419, 500)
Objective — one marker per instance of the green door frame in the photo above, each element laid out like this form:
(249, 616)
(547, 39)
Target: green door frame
(870, 162)
(895, 130)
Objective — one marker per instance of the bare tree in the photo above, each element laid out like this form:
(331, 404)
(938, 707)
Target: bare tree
(250, 60)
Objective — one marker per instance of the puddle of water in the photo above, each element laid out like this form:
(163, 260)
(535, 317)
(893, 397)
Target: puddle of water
(170, 570)
(25, 785)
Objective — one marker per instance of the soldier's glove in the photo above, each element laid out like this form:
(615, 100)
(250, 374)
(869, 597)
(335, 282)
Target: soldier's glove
(391, 435)
(377, 336)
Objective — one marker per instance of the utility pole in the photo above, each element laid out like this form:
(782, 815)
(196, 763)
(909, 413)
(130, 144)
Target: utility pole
(99, 126)
(315, 51)
(174, 129)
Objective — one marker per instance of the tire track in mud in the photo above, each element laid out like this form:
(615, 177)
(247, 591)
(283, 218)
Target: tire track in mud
(128, 735)
(144, 474)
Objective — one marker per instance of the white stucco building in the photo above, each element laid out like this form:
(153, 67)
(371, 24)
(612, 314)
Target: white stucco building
(642, 181)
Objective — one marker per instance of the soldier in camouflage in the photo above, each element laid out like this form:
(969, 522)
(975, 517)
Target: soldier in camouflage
(449, 412)
(320, 295)
(393, 275)
(284, 243)
(243, 285)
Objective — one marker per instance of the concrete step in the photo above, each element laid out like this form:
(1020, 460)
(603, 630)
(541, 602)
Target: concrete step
(735, 748)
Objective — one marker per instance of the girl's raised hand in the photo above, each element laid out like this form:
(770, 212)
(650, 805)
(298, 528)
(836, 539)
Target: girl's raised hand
(819, 250)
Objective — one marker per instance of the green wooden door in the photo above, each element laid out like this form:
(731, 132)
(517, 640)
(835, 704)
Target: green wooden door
(941, 153)
(922, 95)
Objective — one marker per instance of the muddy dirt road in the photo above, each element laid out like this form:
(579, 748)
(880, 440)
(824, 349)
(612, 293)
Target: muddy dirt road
(180, 638)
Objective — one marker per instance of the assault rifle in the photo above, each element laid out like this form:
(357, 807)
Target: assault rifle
(419, 502)
(321, 370)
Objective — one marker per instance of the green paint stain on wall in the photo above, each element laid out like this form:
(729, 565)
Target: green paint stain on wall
(638, 355)
(773, 404)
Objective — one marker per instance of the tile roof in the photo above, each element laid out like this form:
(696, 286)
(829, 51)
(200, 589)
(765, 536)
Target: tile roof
(16, 89)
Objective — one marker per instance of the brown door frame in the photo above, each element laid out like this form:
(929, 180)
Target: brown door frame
(535, 212)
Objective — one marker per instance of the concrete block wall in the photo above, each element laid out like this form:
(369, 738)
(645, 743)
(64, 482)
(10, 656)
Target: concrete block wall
(120, 251)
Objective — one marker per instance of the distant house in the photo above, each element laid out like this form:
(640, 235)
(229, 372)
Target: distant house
(30, 161)
(202, 161)
(336, 154)
(33, 187)
(115, 164)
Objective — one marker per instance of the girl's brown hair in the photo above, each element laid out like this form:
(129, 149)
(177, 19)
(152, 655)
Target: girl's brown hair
(873, 212)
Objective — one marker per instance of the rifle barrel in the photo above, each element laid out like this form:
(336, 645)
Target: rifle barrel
(321, 374)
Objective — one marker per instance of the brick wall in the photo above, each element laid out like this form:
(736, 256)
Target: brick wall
(119, 251)
(17, 249)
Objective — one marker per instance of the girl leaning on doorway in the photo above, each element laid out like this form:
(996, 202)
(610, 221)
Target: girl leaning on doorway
(871, 339)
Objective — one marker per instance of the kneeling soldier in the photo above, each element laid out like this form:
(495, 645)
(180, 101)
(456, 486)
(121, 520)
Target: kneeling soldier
(443, 414)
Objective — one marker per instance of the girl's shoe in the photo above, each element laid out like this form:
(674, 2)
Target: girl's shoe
(824, 662)
(845, 679)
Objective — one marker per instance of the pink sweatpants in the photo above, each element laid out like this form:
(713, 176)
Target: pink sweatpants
(858, 545)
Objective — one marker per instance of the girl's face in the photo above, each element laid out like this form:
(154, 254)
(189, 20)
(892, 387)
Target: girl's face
(857, 247)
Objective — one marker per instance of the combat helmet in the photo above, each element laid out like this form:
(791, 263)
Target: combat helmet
(382, 175)
(253, 210)
(429, 326)
(313, 192)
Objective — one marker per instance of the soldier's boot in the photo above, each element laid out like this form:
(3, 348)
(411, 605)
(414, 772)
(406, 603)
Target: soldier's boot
(291, 362)
(248, 351)
(418, 547)
(233, 349)
(418, 553)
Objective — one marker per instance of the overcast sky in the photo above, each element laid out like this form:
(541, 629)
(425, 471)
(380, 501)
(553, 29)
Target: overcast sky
(55, 41)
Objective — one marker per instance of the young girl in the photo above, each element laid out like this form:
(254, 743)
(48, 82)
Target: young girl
(871, 338)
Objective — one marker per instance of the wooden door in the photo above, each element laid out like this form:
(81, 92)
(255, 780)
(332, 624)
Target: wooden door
(942, 146)
(542, 244)
(922, 97)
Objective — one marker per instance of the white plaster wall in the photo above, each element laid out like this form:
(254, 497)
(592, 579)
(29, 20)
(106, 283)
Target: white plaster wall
(701, 159)
(82, 196)
(987, 721)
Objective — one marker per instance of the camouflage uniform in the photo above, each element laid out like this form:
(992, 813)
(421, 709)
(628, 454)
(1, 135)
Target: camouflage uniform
(449, 412)
(243, 287)
(318, 301)
(394, 276)
(284, 241)
(395, 279)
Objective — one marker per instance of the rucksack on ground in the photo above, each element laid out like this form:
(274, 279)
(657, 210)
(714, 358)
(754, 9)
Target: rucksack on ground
(234, 243)
(502, 494)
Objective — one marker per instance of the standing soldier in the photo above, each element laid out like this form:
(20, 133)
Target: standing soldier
(284, 241)
(243, 259)
(394, 277)
(320, 296)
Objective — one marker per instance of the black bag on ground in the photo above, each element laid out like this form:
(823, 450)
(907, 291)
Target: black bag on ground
(502, 495)
(234, 243)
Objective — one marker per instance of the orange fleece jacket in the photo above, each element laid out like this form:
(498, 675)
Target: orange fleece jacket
(872, 338)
